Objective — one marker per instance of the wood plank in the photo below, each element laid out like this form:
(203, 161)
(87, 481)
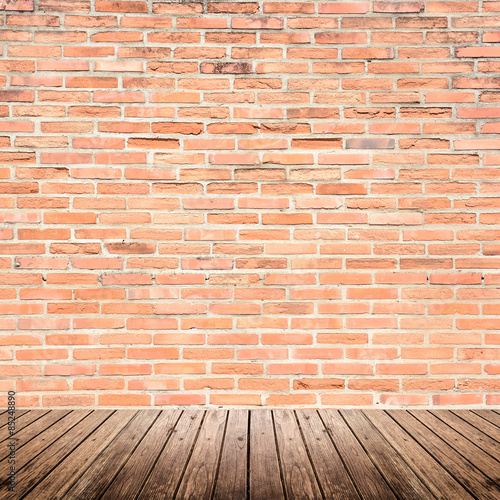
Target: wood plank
(299, 479)
(396, 471)
(36, 469)
(481, 460)
(471, 478)
(442, 485)
(332, 475)
(20, 424)
(417, 454)
(18, 414)
(232, 476)
(489, 415)
(39, 437)
(41, 425)
(199, 477)
(55, 485)
(367, 478)
(92, 484)
(167, 472)
(483, 441)
(264, 473)
(484, 426)
(132, 476)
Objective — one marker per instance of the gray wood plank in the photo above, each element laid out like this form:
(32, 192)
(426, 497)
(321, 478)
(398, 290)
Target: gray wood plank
(489, 415)
(479, 423)
(265, 476)
(232, 476)
(441, 484)
(199, 477)
(55, 485)
(299, 479)
(471, 478)
(92, 484)
(132, 476)
(367, 478)
(33, 470)
(401, 478)
(167, 472)
(332, 474)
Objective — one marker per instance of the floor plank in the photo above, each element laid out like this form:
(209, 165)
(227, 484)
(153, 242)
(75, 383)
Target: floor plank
(265, 476)
(441, 484)
(132, 476)
(369, 481)
(298, 475)
(55, 485)
(32, 470)
(479, 423)
(232, 477)
(41, 437)
(255, 455)
(199, 477)
(327, 463)
(467, 440)
(4, 417)
(33, 428)
(401, 478)
(20, 423)
(92, 484)
(471, 478)
(167, 472)
(490, 416)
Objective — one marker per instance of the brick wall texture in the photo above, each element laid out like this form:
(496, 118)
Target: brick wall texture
(250, 203)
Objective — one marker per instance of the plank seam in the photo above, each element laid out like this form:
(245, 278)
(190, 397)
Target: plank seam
(216, 477)
(464, 486)
(282, 477)
(309, 456)
(67, 454)
(181, 475)
(158, 457)
(368, 454)
(129, 455)
(340, 455)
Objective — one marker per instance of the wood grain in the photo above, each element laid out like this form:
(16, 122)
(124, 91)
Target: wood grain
(132, 476)
(265, 476)
(298, 475)
(256, 455)
(368, 479)
(232, 476)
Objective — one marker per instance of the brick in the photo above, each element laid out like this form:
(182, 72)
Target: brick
(398, 7)
(256, 23)
(477, 52)
(180, 399)
(20, 5)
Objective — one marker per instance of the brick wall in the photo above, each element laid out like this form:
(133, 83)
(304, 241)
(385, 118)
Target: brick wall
(250, 203)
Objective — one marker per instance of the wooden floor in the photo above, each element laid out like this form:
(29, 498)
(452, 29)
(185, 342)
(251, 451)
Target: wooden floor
(257, 454)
